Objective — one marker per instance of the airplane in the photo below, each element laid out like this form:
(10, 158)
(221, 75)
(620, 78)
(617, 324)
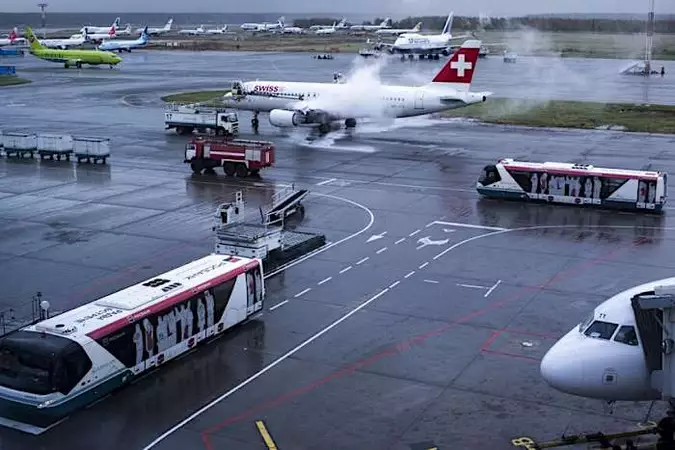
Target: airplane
(604, 357)
(127, 46)
(96, 37)
(328, 30)
(342, 25)
(217, 30)
(265, 26)
(74, 41)
(392, 31)
(12, 39)
(293, 30)
(70, 57)
(157, 31)
(126, 31)
(386, 23)
(196, 31)
(431, 45)
(95, 30)
(292, 104)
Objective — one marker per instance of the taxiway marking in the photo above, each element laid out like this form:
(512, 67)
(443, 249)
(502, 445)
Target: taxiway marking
(399, 241)
(262, 429)
(493, 288)
(431, 281)
(325, 182)
(414, 233)
(325, 280)
(422, 266)
(410, 274)
(472, 286)
(361, 261)
(302, 292)
(375, 237)
(394, 284)
(346, 269)
(465, 225)
(383, 249)
(278, 305)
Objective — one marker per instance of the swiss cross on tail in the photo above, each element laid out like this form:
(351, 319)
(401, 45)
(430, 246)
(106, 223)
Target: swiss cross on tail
(460, 67)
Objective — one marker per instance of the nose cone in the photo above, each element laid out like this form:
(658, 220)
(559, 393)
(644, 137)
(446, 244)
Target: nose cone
(562, 369)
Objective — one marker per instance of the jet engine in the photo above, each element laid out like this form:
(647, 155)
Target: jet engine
(286, 118)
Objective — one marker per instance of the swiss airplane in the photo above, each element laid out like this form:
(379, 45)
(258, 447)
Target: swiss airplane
(101, 30)
(12, 39)
(293, 104)
(604, 357)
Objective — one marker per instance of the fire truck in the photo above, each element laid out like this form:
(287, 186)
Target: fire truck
(241, 157)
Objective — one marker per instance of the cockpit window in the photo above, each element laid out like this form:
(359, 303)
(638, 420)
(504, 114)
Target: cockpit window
(601, 330)
(586, 322)
(627, 335)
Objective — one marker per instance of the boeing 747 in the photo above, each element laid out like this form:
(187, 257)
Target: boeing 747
(294, 104)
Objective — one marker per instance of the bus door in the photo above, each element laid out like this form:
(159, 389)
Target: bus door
(254, 286)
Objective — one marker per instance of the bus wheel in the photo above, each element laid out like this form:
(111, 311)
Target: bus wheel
(229, 169)
(242, 170)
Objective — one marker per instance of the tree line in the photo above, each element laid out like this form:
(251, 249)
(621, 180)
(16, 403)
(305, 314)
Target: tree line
(505, 24)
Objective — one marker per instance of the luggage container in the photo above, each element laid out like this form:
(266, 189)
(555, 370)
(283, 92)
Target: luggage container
(91, 149)
(19, 144)
(54, 146)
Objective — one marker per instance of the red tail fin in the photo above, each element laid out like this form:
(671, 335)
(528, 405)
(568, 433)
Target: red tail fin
(112, 31)
(460, 67)
(12, 36)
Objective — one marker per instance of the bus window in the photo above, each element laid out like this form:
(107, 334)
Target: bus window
(665, 186)
(489, 175)
(523, 179)
(610, 186)
(627, 335)
(601, 330)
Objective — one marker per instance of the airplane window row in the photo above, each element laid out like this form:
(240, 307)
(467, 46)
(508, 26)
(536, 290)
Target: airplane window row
(605, 330)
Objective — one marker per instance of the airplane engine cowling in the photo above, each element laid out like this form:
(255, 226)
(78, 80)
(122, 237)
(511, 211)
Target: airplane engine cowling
(285, 118)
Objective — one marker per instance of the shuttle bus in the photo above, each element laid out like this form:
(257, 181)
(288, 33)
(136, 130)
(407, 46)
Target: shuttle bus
(575, 184)
(51, 368)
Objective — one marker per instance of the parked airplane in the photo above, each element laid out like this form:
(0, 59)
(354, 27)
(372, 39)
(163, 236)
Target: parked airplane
(342, 25)
(96, 38)
(126, 46)
(195, 32)
(431, 45)
(293, 30)
(70, 57)
(386, 23)
(126, 31)
(265, 26)
(292, 104)
(393, 31)
(157, 31)
(328, 30)
(12, 39)
(95, 30)
(604, 357)
(217, 30)
(75, 40)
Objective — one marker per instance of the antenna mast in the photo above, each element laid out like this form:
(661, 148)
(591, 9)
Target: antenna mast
(650, 36)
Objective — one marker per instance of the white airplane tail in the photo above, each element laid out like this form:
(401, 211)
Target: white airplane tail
(167, 27)
(417, 28)
(116, 23)
(457, 73)
(385, 22)
(447, 29)
(281, 21)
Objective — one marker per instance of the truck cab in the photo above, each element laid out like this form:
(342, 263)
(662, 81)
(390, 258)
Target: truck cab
(227, 123)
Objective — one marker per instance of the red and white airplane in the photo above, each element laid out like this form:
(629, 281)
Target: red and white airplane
(12, 39)
(293, 104)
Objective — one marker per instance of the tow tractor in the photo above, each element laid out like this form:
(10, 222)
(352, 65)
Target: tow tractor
(187, 118)
(241, 157)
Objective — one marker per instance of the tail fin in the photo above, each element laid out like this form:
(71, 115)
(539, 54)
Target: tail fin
(144, 35)
(12, 36)
(447, 29)
(168, 24)
(458, 71)
(385, 22)
(112, 32)
(281, 21)
(417, 28)
(34, 43)
(116, 23)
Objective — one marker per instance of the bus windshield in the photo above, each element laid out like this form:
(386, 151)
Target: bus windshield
(26, 371)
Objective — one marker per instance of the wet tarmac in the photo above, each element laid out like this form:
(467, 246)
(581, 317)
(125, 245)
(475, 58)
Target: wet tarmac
(421, 326)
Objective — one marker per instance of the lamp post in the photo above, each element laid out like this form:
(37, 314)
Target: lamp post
(42, 7)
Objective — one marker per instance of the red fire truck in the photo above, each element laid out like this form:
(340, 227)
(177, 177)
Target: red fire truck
(242, 157)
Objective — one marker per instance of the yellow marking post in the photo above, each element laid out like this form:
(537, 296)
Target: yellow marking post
(265, 435)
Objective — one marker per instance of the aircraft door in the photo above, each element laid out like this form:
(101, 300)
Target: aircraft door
(237, 88)
(419, 99)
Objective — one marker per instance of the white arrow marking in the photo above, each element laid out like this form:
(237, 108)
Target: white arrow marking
(376, 237)
(427, 241)
(448, 230)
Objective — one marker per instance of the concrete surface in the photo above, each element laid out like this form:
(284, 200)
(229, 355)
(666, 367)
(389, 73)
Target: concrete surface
(449, 307)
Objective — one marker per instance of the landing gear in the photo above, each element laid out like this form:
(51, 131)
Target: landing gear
(350, 123)
(255, 123)
(324, 128)
(78, 64)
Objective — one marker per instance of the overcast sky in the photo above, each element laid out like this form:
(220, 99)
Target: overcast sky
(378, 7)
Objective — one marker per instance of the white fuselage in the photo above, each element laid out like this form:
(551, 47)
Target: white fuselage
(292, 30)
(74, 41)
(347, 101)
(217, 30)
(331, 30)
(95, 30)
(394, 31)
(195, 32)
(17, 41)
(128, 45)
(420, 43)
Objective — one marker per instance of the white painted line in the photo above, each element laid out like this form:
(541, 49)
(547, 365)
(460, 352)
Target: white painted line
(302, 293)
(325, 280)
(278, 305)
(414, 233)
(264, 370)
(322, 183)
(467, 225)
(394, 284)
(333, 244)
(492, 288)
(431, 281)
(363, 260)
(399, 241)
(381, 250)
(346, 269)
(410, 274)
(472, 286)
(423, 265)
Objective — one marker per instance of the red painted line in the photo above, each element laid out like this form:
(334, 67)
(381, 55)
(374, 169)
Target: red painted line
(493, 337)
(404, 345)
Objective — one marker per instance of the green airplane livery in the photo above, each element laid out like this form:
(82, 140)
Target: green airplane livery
(70, 57)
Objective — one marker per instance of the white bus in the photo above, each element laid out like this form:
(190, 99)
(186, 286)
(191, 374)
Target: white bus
(575, 184)
(56, 366)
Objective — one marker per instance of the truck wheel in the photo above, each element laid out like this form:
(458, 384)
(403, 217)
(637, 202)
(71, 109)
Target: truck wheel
(229, 169)
(242, 170)
(254, 172)
(196, 167)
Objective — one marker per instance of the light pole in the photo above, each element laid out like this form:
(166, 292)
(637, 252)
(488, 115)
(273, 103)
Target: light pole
(42, 7)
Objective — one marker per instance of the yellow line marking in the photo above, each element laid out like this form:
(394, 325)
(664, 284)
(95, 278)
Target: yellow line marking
(266, 435)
